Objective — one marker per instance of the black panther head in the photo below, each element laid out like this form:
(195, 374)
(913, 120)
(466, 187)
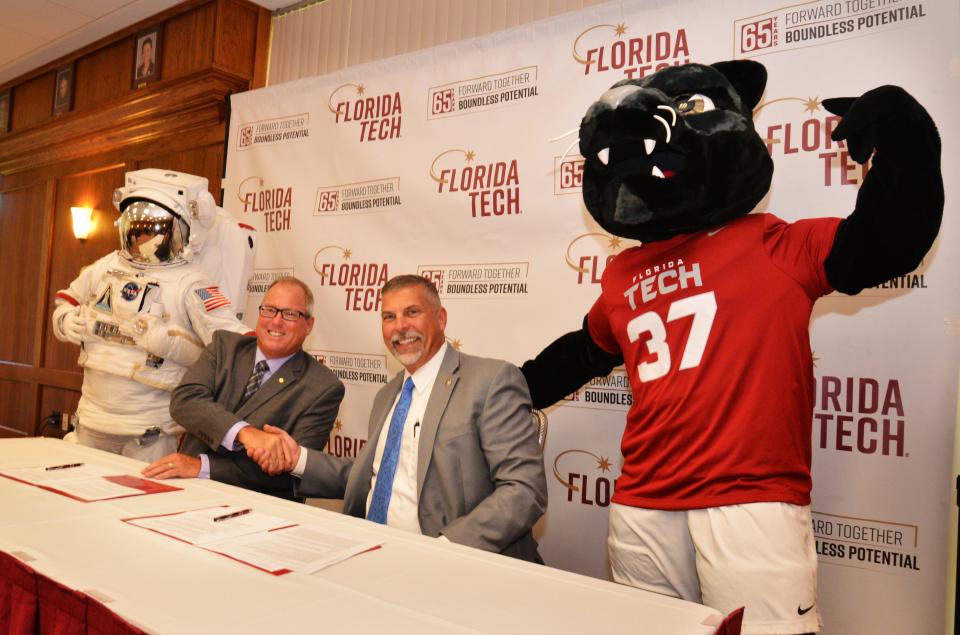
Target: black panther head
(675, 152)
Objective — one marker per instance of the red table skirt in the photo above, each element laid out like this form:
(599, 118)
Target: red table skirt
(31, 602)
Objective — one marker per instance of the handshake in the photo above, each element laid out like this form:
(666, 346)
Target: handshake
(272, 448)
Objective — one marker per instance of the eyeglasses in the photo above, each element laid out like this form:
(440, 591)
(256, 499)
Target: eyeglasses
(290, 315)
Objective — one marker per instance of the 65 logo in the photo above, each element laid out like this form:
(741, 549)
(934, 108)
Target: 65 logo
(442, 102)
(568, 174)
(246, 136)
(762, 34)
(435, 276)
(328, 200)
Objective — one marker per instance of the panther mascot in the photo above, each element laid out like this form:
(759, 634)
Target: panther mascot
(710, 315)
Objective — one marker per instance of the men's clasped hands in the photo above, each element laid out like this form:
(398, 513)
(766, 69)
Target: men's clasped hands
(273, 451)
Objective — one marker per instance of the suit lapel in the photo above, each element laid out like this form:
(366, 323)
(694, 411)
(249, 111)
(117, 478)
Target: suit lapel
(443, 387)
(381, 407)
(285, 377)
(361, 476)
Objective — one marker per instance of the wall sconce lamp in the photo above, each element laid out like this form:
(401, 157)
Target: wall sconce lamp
(82, 221)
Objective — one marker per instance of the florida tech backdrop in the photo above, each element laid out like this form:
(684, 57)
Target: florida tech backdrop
(440, 163)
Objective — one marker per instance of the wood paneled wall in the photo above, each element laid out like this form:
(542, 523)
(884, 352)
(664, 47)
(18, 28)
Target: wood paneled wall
(209, 48)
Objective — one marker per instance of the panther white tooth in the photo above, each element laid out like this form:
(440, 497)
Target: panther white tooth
(666, 127)
(673, 114)
(649, 145)
(656, 172)
(604, 156)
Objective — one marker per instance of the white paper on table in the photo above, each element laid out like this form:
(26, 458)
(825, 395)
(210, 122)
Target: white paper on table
(87, 482)
(198, 527)
(40, 475)
(298, 548)
(92, 489)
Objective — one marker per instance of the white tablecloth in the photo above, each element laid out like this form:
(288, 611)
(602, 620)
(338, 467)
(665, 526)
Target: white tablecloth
(413, 584)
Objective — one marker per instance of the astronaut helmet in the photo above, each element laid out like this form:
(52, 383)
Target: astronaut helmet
(164, 217)
(151, 234)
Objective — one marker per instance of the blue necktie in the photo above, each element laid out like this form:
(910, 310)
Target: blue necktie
(391, 453)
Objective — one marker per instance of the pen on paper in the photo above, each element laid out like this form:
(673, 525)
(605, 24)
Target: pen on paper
(232, 515)
(64, 466)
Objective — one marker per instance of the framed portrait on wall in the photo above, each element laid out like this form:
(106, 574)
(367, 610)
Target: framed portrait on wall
(63, 90)
(146, 57)
(4, 112)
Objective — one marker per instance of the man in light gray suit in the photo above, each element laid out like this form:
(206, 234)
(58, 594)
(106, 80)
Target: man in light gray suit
(239, 384)
(452, 450)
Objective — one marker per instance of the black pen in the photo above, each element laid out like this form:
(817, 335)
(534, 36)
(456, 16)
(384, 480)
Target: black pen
(217, 519)
(64, 466)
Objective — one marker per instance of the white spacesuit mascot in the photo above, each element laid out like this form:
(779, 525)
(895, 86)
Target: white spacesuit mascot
(141, 315)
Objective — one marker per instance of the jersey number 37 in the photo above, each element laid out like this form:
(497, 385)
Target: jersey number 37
(703, 308)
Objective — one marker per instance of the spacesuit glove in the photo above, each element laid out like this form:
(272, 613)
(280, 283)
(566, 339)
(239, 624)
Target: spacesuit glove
(70, 325)
(165, 340)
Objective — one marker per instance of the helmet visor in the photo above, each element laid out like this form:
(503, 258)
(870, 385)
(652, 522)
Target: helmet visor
(151, 234)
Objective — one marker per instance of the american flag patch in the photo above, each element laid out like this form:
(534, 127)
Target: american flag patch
(212, 298)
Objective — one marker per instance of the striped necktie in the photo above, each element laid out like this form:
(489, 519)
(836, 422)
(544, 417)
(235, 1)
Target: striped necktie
(253, 384)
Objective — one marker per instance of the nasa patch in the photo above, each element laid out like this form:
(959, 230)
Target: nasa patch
(130, 291)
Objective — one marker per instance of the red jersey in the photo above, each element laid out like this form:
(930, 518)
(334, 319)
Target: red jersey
(714, 331)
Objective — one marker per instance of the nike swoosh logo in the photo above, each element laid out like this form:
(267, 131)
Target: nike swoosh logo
(801, 611)
(714, 233)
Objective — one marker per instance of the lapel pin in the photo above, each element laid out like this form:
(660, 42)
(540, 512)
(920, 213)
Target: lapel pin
(447, 382)
(280, 380)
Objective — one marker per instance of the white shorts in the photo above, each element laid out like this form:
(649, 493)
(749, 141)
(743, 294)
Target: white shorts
(758, 555)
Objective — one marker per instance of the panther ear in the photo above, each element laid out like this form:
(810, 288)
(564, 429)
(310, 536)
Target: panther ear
(838, 105)
(749, 78)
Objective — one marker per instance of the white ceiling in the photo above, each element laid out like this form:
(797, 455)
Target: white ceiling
(35, 32)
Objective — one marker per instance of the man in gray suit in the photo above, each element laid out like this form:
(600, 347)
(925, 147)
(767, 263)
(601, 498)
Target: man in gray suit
(239, 384)
(452, 450)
